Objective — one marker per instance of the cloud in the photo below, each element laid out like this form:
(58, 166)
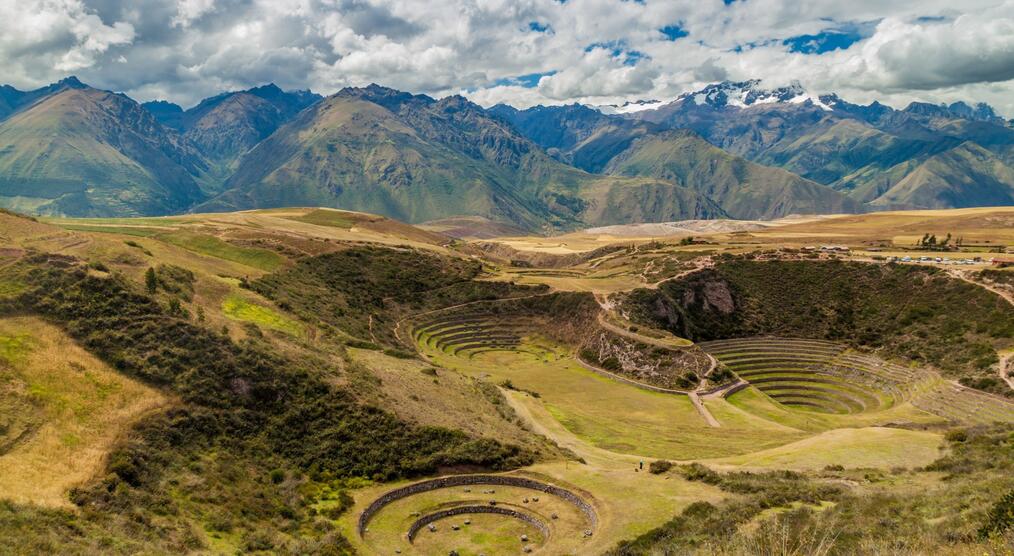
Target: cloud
(189, 10)
(519, 51)
(973, 48)
(41, 39)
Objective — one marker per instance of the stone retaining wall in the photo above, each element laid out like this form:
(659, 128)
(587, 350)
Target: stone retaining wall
(735, 388)
(469, 480)
(436, 516)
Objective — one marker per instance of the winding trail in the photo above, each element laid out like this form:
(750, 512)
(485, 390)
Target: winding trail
(963, 275)
(708, 417)
(607, 309)
(1001, 368)
(1005, 360)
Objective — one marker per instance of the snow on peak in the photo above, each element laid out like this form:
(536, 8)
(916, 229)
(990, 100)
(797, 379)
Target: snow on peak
(748, 93)
(629, 107)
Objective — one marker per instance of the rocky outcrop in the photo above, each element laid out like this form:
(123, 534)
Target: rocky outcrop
(657, 366)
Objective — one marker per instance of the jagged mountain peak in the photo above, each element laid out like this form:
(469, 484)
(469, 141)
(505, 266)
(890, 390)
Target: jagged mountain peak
(980, 111)
(630, 106)
(742, 94)
(389, 98)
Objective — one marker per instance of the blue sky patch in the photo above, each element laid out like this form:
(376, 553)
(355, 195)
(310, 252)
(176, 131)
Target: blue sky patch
(528, 81)
(539, 27)
(825, 41)
(673, 32)
(619, 49)
(837, 38)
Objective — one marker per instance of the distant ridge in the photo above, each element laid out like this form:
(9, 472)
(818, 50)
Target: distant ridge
(730, 149)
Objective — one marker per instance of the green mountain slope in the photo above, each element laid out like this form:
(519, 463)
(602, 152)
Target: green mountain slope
(864, 151)
(226, 126)
(742, 188)
(416, 159)
(85, 152)
(852, 156)
(965, 176)
(350, 153)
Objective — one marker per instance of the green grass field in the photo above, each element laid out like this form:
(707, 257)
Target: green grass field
(204, 244)
(614, 416)
(238, 308)
(332, 218)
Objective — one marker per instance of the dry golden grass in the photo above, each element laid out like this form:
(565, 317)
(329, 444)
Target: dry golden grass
(447, 399)
(995, 224)
(81, 405)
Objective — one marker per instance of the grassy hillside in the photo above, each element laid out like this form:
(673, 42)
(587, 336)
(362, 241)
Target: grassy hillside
(743, 189)
(364, 291)
(416, 159)
(63, 412)
(85, 152)
(965, 176)
(241, 406)
(902, 511)
(920, 314)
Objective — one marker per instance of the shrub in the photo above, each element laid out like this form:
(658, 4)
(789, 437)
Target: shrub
(1000, 517)
(659, 466)
(698, 472)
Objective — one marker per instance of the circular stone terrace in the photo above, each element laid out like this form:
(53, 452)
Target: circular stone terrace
(480, 514)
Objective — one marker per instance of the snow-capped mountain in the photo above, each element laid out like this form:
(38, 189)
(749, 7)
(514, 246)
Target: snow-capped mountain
(750, 93)
(630, 107)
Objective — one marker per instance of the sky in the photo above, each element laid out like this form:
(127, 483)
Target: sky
(521, 52)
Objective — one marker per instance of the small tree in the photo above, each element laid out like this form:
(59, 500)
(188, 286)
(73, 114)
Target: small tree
(150, 281)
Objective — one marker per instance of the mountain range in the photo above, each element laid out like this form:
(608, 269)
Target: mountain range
(730, 150)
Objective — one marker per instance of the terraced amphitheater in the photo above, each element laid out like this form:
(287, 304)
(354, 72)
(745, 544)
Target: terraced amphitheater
(479, 514)
(472, 331)
(526, 324)
(817, 375)
(823, 376)
(964, 405)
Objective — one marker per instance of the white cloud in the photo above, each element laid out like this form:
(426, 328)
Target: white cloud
(928, 49)
(40, 38)
(190, 10)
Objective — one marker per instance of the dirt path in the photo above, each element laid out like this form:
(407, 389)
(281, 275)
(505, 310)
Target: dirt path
(708, 417)
(1005, 358)
(701, 264)
(607, 309)
(963, 275)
